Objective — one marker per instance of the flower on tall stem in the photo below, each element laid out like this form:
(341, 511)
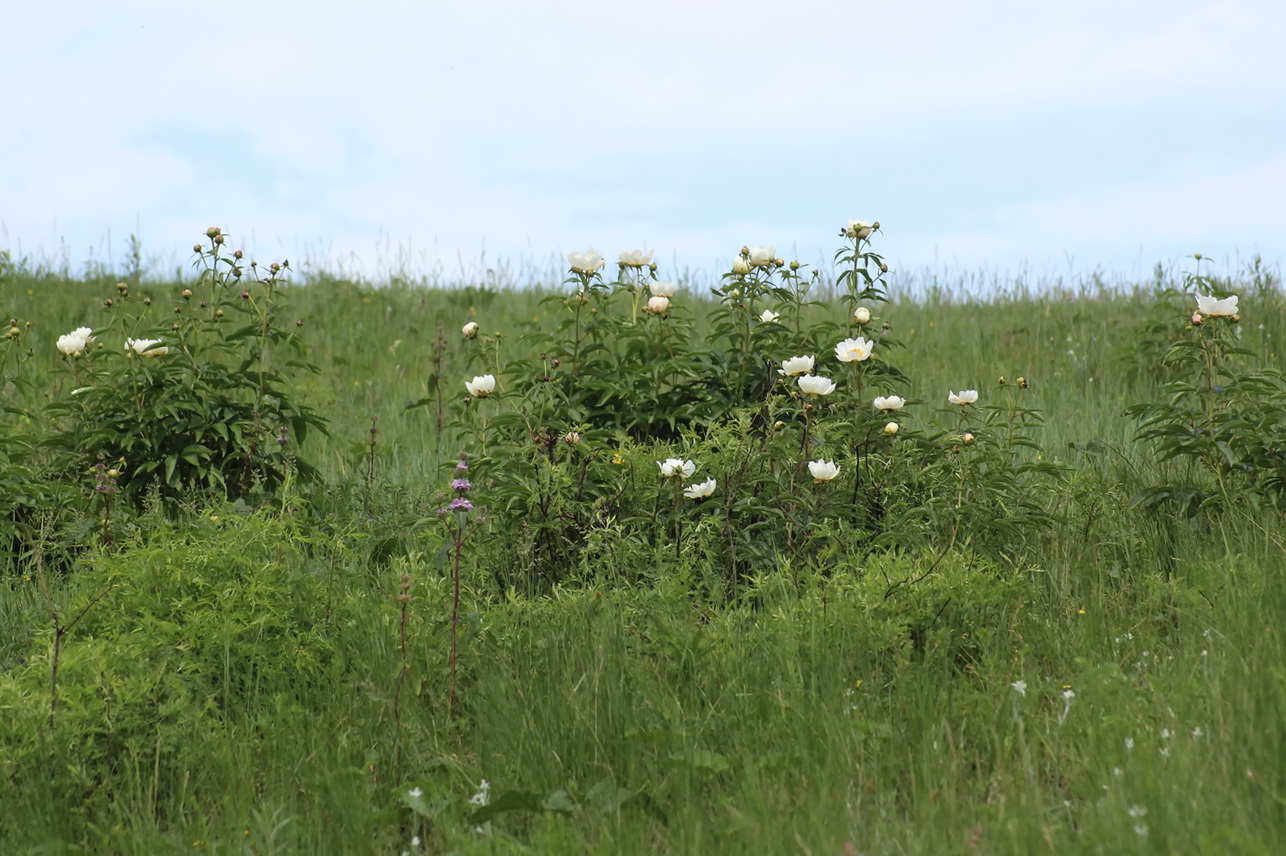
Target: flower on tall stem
(740, 266)
(636, 258)
(676, 468)
(862, 315)
(796, 366)
(822, 470)
(146, 347)
(763, 256)
(964, 397)
(890, 402)
(816, 385)
(590, 261)
(854, 350)
(697, 491)
(481, 386)
(1213, 307)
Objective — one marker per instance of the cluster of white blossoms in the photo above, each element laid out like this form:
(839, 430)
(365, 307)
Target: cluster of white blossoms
(678, 468)
(75, 342)
(659, 302)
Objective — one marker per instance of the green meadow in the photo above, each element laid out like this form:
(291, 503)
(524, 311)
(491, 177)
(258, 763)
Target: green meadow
(1057, 636)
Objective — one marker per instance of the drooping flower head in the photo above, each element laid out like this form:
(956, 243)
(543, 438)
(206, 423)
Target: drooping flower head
(853, 350)
(796, 366)
(73, 343)
(822, 471)
(963, 397)
(481, 386)
(636, 258)
(816, 385)
(146, 347)
(1213, 307)
(697, 491)
(661, 288)
(891, 402)
(676, 468)
(589, 261)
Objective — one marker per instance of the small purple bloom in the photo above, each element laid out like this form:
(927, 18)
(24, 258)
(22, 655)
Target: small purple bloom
(462, 466)
(460, 504)
(461, 485)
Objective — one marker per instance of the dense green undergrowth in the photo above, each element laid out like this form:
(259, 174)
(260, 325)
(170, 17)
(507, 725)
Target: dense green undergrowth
(1044, 621)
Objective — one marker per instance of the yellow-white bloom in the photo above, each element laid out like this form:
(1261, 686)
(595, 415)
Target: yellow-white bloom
(697, 491)
(73, 343)
(891, 402)
(636, 258)
(470, 330)
(676, 468)
(769, 317)
(796, 366)
(589, 261)
(822, 470)
(857, 229)
(891, 429)
(664, 289)
(762, 256)
(146, 347)
(853, 350)
(1213, 308)
(963, 397)
(481, 386)
(816, 385)
(862, 315)
(740, 265)
(658, 305)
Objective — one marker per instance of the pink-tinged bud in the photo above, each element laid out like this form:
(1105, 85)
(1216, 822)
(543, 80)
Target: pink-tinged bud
(967, 438)
(187, 294)
(1196, 318)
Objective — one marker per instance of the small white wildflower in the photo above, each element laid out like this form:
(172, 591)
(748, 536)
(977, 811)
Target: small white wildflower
(1020, 687)
(1129, 743)
(483, 796)
(415, 793)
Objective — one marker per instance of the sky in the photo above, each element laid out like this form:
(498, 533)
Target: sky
(439, 139)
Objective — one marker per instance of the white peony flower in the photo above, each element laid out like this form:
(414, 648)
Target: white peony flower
(891, 402)
(816, 385)
(697, 491)
(676, 468)
(853, 350)
(664, 289)
(636, 258)
(822, 470)
(857, 229)
(862, 315)
(659, 305)
(740, 265)
(891, 428)
(1213, 308)
(796, 366)
(763, 256)
(589, 261)
(965, 396)
(769, 317)
(73, 343)
(481, 386)
(470, 330)
(146, 347)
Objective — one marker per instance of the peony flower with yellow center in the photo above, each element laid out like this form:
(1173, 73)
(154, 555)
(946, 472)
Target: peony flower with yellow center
(481, 386)
(853, 350)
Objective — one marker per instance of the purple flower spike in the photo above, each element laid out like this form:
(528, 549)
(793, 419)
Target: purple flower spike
(461, 485)
(460, 504)
(462, 466)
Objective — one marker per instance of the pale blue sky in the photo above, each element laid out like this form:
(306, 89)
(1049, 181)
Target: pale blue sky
(1002, 136)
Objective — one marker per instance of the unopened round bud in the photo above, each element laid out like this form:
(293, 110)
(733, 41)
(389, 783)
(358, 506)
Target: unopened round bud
(237, 254)
(174, 326)
(13, 331)
(1197, 318)
(212, 232)
(122, 287)
(113, 473)
(966, 437)
(187, 294)
(107, 302)
(572, 438)
(891, 428)
(652, 267)
(1022, 383)
(884, 268)
(147, 301)
(197, 248)
(555, 363)
(245, 295)
(745, 251)
(778, 262)
(779, 425)
(794, 265)
(218, 239)
(274, 267)
(299, 322)
(875, 225)
(862, 315)
(218, 313)
(1235, 317)
(236, 273)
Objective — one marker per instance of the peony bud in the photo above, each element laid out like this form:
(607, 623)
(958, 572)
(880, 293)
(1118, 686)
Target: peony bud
(891, 428)
(862, 315)
(1196, 318)
(967, 438)
(470, 330)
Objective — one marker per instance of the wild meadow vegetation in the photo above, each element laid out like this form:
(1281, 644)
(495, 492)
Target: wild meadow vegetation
(782, 563)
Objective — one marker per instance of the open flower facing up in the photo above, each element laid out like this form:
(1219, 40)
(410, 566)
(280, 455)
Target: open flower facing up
(890, 402)
(796, 366)
(822, 471)
(470, 330)
(676, 468)
(853, 350)
(862, 315)
(1212, 307)
(857, 229)
(661, 288)
(146, 347)
(481, 386)
(816, 385)
(589, 261)
(658, 305)
(768, 316)
(763, 256)
(963, 397)
(697, 491)
(636, 258)
(73, 343)
(740, 265)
